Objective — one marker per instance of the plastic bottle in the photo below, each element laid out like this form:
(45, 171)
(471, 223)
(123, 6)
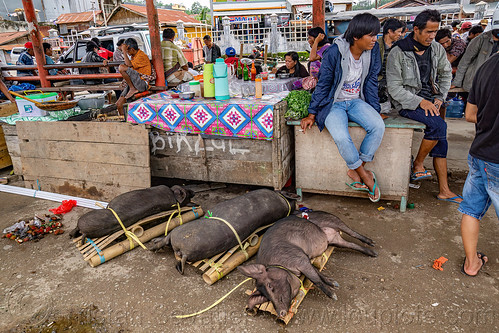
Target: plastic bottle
(195, 87)
(209, 82)
(253, 72)
(239, 71)
(245, 73)
(258, 88)
(220, 73)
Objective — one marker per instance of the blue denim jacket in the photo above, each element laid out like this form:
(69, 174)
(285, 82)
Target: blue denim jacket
(334, 62)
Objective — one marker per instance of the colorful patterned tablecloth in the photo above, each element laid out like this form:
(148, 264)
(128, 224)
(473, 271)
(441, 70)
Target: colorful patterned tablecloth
(244, 118)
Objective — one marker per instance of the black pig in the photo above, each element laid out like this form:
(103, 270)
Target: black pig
(285, 253)
(204, 238)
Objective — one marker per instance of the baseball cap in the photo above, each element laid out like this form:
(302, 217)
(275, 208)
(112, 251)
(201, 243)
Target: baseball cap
(230, 51)
(28, 45)
(466, 25)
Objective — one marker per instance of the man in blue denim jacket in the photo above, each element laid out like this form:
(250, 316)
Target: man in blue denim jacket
(482, 185)
(348, 90)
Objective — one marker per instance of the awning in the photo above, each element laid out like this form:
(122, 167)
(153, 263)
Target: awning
(304, 8)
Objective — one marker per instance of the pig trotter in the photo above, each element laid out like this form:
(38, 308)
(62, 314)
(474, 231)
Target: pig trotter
(181, 264)
(159, 243)
(329, 281)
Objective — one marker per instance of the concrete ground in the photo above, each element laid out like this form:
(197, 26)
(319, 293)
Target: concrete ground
(45, 286)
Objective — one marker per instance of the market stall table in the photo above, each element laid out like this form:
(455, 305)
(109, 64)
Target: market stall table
(321, 169)
(241, 140)
(268, 86)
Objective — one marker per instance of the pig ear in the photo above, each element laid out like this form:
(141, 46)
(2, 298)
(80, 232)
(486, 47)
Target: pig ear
(182, 195)
(255, 271)
(289, 195)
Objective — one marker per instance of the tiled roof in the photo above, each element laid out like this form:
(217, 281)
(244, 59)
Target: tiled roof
(6, 37)
(77, 17)
(164, 15)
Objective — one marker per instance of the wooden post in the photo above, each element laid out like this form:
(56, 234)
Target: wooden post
(318, 14)
(36, 39)
(154, 33)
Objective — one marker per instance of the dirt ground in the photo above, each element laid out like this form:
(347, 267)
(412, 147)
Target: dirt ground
(45, 286)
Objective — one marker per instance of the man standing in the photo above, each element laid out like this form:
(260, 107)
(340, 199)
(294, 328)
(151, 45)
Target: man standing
(392, 32)
(419, 75)
(211, 51)
(475, 31)
(348, 91)
(26, 59)
(137, 72)
(174, 61)
(481, 188)
(478, 51)
(454, 47)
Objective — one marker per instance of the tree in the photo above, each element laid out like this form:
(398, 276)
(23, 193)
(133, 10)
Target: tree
(196, 8)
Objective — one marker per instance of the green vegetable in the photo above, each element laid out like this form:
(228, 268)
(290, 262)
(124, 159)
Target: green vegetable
(298, 102)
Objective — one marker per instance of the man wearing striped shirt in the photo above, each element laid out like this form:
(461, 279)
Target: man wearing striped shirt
(174, 61)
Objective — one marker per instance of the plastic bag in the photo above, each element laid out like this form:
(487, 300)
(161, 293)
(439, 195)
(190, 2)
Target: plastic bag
(64, 208)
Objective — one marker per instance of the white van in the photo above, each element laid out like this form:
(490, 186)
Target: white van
(15, 53)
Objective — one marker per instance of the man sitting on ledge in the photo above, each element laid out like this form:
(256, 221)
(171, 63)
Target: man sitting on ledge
(137, 72)
(419, 76)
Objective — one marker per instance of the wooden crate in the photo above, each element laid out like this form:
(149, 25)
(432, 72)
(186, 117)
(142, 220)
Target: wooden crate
(97, 160)
(226, 159)
(321, 169)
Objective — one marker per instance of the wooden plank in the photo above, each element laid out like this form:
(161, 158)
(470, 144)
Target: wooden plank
(12, 143)
(108, 153)
(5, 159)
(241, 172)
(9, 130)
(8, 109)
(179, 167)
(109, 132)
(319, 166)
(393, 121)
(17, 165)
(79, 188)
(118, 175)
(193, 146)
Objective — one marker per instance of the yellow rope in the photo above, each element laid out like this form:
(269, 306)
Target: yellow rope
(179, 212)
(235, 233)
(130, 235)
(289, 205)
(214, 304)
(302, 288)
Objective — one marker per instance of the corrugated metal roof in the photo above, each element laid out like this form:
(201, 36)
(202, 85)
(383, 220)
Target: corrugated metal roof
(164, 15)
(6, 37)
(77, 17)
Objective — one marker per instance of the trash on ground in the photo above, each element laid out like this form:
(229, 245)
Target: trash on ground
(416, 186)
(437, 264)
(35, 229)
(380, 208)
(64, 208)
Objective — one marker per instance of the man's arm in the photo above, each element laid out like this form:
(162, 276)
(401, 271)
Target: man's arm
(471, 112)
(127, 60)
(471, 53)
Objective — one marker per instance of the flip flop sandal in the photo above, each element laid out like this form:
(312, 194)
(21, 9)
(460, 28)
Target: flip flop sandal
(373, 193)
(425, 175)
(453, 199)
(352, 186)
(483, 264)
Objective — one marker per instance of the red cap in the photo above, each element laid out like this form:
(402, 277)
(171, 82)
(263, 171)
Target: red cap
(466, 25)
(28, 45)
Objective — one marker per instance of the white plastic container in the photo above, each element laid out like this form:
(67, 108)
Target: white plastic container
(195, 87)
(29, 109)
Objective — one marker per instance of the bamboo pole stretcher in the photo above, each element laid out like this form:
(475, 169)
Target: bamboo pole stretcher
(88, 249)
(223, 263)
(318, 262)
(146, 235)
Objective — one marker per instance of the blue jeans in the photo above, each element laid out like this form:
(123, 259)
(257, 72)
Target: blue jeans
(363, 114)
(436, 130)
(481, 188)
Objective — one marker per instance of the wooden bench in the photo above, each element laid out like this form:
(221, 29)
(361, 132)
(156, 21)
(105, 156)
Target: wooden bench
(321, 169)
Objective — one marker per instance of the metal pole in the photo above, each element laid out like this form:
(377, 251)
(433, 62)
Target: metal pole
(157, 58)
(36, 39)
(318, 13)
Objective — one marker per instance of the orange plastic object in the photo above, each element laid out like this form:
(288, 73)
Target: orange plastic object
(437, 264)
